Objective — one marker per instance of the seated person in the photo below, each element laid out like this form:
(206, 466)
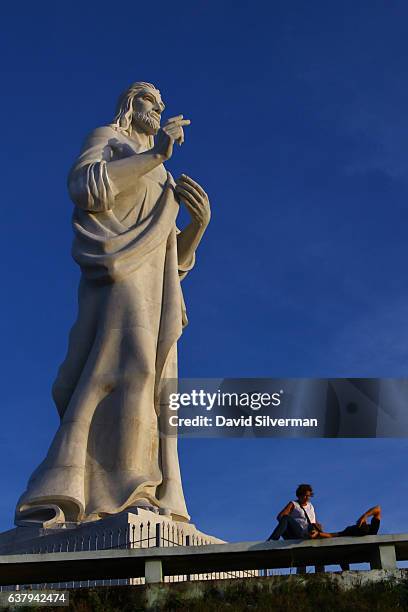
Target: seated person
(297, 518)
(361, 527)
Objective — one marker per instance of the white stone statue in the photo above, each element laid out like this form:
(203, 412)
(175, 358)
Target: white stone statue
(108, 454)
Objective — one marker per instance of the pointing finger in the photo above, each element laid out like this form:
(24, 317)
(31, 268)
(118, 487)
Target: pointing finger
(176, 118)
(178, 121)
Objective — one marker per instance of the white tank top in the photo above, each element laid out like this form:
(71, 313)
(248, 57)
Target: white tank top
(299, 516)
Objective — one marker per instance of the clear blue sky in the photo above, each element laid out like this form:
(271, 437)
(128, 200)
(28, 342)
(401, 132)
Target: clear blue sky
(299, 134)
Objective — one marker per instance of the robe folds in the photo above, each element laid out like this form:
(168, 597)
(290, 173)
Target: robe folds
(109, 451)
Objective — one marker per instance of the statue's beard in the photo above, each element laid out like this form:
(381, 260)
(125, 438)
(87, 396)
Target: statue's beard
(150, 124)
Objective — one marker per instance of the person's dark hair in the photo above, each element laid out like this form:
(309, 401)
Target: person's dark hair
(303, 488)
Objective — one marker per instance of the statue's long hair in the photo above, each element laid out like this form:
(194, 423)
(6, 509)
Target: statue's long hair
(124, 108)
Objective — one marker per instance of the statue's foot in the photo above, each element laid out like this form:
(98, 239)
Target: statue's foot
(143, 504)
(44, 516)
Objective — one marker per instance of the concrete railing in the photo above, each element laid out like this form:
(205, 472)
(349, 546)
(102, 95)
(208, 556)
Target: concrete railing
(382, 552)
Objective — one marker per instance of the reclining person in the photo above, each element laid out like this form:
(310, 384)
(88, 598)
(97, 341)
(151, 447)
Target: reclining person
(360, 528)
(298, 517)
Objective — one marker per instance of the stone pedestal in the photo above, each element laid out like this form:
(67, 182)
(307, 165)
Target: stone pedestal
(139, 528)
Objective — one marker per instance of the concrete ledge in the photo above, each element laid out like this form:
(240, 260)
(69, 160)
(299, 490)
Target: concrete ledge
(179, 560)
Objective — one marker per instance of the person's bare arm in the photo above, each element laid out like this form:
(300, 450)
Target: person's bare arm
(123, 172)
(287, 510)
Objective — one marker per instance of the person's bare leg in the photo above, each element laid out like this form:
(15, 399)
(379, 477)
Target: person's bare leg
(352, 530)
(316, 534)
(375, 512)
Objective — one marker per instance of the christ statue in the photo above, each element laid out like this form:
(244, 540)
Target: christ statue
(109, 453)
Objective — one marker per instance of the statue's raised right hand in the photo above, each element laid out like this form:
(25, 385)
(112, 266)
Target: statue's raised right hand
(170, 133)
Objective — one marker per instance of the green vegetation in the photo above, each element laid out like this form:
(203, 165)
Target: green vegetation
(281, 593)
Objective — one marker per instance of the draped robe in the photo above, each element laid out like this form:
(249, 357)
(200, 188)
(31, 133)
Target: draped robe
(109, 451)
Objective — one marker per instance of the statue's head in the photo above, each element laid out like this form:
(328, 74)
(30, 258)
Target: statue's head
(140, 106)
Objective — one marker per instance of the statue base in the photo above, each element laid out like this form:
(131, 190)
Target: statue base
(138, 528)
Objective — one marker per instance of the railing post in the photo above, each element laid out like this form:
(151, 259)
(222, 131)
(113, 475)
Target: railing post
(188, 576)
(158, 525)
(384, 557)
(153, 571)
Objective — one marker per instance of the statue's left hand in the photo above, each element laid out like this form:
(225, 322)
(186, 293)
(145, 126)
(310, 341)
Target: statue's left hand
(195, 199)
